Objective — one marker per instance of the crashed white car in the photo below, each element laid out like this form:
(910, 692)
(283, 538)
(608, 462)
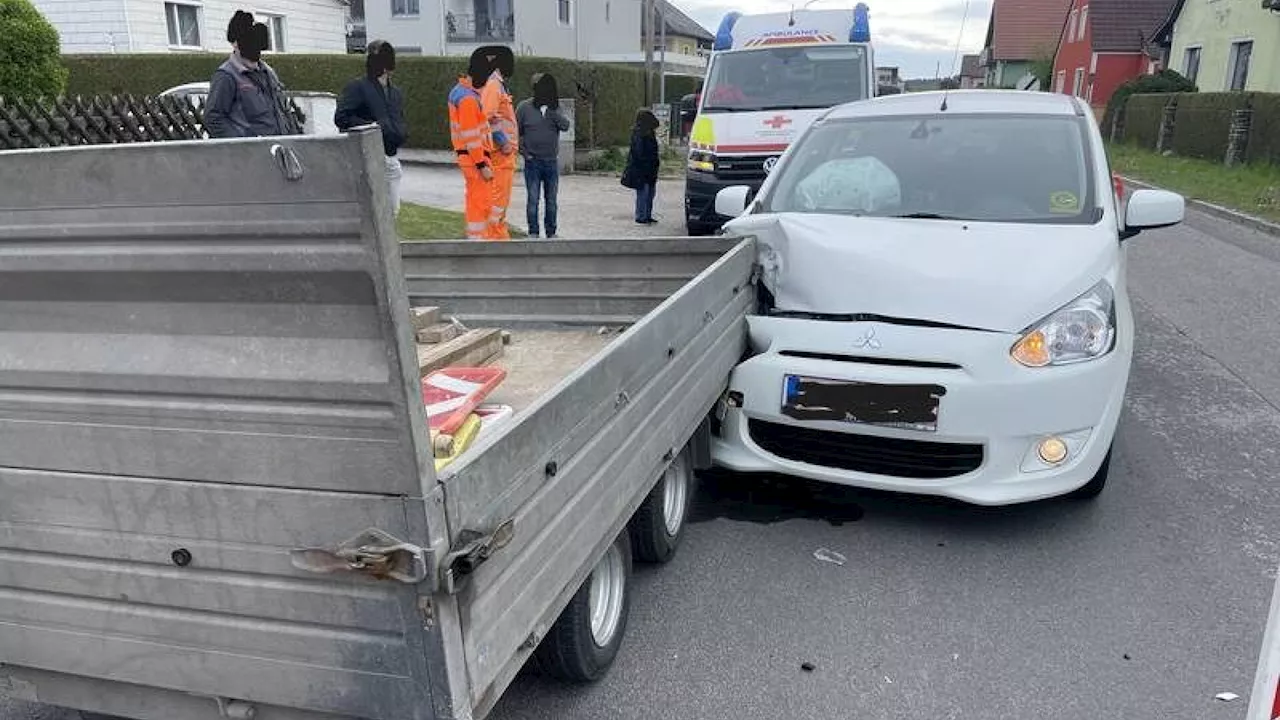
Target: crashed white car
(943, 300)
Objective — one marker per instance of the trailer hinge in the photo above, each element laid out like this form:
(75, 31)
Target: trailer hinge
(471, 551)
(372, 552)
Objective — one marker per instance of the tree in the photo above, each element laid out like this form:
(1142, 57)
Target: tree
(30, 55)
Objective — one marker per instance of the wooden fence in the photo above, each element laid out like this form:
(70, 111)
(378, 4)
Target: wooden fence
(105, 120)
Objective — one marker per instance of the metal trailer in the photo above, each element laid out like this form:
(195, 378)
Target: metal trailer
(217, 497)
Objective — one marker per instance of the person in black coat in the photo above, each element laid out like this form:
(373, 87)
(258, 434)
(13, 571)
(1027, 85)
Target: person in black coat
(373, 99)
(642, 165)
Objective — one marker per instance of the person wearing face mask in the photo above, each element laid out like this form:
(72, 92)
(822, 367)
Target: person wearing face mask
(246, 98)
(373, 99)
(540, 122)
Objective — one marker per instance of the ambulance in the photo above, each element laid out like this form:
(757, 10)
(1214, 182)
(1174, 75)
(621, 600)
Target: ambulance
(771, 75)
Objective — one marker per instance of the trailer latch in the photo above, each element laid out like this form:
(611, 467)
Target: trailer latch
(372, 552)
(471, 551)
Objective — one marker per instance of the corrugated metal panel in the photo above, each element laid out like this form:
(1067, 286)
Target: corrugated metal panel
(554, 282)
(202, 359)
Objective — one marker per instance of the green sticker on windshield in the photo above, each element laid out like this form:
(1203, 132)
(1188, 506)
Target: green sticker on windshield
(1064, 202)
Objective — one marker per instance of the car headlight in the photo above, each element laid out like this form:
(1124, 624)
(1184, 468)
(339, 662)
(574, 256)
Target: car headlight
(702, 161)
(1083, 329)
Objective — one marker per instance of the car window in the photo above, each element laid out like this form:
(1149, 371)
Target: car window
(982, 168)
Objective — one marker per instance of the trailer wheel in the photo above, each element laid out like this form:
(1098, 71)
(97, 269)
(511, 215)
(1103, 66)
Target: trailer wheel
(658, 525)
(585, 639)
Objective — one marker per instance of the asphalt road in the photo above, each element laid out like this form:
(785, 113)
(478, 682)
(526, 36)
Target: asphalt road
(1142, 604)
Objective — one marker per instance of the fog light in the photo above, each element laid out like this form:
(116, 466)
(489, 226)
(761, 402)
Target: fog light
(1052, 450)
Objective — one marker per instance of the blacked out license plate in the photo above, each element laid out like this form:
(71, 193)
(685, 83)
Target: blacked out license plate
(913, 407)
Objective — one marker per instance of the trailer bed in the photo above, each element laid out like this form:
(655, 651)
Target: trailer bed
(538, 360)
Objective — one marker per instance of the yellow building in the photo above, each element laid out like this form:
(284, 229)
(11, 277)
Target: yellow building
(1223, 45)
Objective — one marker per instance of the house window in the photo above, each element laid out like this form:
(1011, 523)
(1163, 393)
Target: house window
(563, 6)
(1071, 26)
(275, 31)
(404, 8)
(184, 24)
(1084, 22)
(1077, 86)
(1238, 65)
(1191, 63)
(1060, 82)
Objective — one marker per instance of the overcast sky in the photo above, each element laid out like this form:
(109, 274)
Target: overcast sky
(915, 35)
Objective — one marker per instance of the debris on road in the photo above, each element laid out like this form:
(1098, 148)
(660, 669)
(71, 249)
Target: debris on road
(808, 667)
(1226, 697)
(830, 556)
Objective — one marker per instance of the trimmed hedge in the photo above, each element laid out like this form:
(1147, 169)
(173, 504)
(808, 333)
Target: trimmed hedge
(1203, 122)
(1142, 116)
(608, 95)
(1264, 130)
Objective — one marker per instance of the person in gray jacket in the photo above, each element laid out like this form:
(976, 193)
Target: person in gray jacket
(539, 123)
(246, 98)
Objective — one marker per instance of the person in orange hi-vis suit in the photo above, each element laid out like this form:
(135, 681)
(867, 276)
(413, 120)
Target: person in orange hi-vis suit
(501, 113)
(470, 133)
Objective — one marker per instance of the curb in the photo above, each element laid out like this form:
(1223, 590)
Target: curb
(1235, 216)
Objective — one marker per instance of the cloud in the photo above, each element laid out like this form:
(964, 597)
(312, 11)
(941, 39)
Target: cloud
(918, 36)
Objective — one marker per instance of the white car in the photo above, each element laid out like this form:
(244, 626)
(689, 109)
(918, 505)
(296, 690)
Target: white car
(943, 300)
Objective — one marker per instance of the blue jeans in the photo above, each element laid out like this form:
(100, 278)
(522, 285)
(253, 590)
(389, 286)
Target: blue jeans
(541, 177)
(644, 202)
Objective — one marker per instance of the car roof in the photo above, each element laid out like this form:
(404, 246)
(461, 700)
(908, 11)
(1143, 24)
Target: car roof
(987, 102)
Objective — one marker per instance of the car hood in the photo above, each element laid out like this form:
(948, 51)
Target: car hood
(1001, 277)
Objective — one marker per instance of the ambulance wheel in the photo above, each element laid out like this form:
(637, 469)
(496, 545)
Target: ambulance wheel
(586, 637)
(658, 525)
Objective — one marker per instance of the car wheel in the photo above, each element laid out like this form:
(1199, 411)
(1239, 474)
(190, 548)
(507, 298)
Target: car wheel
(699, 229)
(1096, 484)
(658, 525)
(585, 639)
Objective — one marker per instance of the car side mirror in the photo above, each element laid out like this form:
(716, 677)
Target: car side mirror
(1150, 209)
(732, 201)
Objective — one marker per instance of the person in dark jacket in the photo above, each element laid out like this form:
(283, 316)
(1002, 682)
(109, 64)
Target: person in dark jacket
(246, 98)
(540, 122)
(642, 165)
(373, 99)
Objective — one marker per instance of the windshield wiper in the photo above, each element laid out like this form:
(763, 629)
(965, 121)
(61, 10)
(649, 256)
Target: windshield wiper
(927, 216)
(716, 109)
(793, 107)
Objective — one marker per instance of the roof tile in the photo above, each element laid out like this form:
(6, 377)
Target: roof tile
(1125, 25)
(1027, 29)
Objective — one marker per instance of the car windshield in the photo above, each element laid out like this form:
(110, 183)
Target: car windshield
(968, 167)
(784, 78)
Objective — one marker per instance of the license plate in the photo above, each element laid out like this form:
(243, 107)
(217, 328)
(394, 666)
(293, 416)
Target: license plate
(913, 407)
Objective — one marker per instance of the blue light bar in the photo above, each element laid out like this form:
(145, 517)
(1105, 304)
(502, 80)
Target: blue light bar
(861, 32)
(724, 36)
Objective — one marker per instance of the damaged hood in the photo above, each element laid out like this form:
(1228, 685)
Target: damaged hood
(991, 276)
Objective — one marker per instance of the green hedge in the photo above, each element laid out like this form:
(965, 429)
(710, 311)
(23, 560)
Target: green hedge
(608, 95)
(1142, 116)
(1203, 122)
(1264, 131)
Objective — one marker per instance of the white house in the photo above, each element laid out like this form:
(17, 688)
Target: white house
(143, 26)
(573, 29)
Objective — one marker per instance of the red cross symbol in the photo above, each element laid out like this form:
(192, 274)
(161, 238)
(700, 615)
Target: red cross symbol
(777, 122)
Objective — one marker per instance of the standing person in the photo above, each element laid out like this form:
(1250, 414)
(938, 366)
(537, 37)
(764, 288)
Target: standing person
(472, 140)
(501, 113)
(373, 99)
(246, 98)
(642, 165)
(540, 122)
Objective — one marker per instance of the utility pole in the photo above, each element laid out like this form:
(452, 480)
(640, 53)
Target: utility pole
(648, 52)
(662, 63)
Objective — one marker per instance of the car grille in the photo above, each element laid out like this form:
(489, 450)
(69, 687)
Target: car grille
(741, 168)
(892, 457)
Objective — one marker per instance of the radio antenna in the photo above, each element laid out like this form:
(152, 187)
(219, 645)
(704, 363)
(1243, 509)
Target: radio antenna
(956, 55)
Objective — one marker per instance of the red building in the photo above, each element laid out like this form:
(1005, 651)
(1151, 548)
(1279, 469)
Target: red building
(1105, 43)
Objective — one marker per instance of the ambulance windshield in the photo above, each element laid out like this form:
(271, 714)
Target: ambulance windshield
(786, 78)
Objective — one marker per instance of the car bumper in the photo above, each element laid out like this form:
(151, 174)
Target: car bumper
(990, 421)
(700, 191)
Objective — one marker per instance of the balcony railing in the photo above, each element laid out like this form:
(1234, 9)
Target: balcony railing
(472, 28)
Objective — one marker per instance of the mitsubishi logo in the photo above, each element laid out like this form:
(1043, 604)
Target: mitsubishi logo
(769, 163)
(777, 122)
(869, 341)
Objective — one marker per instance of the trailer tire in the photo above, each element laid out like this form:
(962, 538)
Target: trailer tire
(585, 639)
(659, 523)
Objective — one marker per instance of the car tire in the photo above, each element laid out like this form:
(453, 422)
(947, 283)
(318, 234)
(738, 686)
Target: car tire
(699, 229)
(585, 639)
(658, 525)
(1096, 484)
